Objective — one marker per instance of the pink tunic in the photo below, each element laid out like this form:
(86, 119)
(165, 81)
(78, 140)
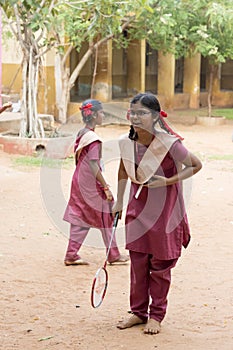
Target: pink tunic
(87, 206)
(156, 222)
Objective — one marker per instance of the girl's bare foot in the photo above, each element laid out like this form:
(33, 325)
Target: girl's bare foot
(130, 322)
(121, 260)
(76, 262)
(152, 327)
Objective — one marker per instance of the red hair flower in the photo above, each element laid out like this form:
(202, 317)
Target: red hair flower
(87, 112)
(163, 114)
(87, 106)
(128, 114)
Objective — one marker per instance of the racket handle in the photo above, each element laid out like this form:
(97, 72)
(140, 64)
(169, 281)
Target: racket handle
(116, 219)
(112, 235)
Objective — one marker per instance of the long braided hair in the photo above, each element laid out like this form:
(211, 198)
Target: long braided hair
(151, 102)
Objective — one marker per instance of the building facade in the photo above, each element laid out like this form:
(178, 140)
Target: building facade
(121, 73)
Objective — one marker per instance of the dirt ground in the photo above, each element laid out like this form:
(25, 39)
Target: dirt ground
(45, 305)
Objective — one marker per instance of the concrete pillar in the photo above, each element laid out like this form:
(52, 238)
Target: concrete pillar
(192, 67)
(216, 78)
(166, 79)
(103, 79)
(136, 65)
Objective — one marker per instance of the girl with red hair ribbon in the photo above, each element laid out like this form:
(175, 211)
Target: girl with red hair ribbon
(91, 199)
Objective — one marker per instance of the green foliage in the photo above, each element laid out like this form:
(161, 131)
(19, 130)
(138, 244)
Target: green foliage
(29, 18)
(182, 27)
(206, 28)
(161, 25)
(96, 20)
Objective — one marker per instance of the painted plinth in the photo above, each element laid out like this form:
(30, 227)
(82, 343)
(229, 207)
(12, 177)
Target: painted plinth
(210, 121)
(57, 147)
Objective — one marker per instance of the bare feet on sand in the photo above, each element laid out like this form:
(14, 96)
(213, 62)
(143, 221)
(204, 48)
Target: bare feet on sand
(130, 322)
(76, 262)
(120, 261)
(152, 327)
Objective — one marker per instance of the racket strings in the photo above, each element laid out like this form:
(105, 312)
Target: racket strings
(99, 287)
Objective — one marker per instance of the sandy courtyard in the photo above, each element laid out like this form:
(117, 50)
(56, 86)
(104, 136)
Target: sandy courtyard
(45, 305)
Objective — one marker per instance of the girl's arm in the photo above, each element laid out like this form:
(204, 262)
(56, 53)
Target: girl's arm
(191, 166)
(5, 106)
(99, 177)
(122, 182)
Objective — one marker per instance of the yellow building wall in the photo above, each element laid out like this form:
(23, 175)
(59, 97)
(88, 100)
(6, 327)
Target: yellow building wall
(11, 68)
(11, 78)
(192, 72)
(119, 72)
(136, 60)
(46, 92)
(132, 83)
(103, 79)
(166, 79)
(12, 85)
(46, 102)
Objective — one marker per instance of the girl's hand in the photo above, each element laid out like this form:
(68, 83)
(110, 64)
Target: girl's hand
(117, 208)
(5, 106)
(109, 195)
(157, 181)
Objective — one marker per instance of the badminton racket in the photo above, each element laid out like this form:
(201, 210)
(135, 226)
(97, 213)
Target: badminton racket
(100, 282)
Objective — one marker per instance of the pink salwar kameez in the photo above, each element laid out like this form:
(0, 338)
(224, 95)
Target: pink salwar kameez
(87, 206)
(156, 225)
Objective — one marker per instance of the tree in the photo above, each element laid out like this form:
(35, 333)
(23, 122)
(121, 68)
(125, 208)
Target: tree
(66, 25)
(183, 27)
(97, 21)
(208, 29)
(93, 22)
(218, 39)
(159, 26)
(29, 22)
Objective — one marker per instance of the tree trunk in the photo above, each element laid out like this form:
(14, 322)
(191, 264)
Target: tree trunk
(62, 88)
(64, 83)
(63, 103)
(210, 91)
(94, 73)
(30, 126)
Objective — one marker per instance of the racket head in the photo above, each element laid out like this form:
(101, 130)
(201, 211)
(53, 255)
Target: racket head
(99, 287)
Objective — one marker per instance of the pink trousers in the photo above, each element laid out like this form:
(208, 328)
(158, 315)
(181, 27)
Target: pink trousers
(149, 287)
(77, 237)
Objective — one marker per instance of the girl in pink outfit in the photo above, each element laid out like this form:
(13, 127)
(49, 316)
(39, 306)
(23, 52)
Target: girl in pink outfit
(156, 162)
(90, 200)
